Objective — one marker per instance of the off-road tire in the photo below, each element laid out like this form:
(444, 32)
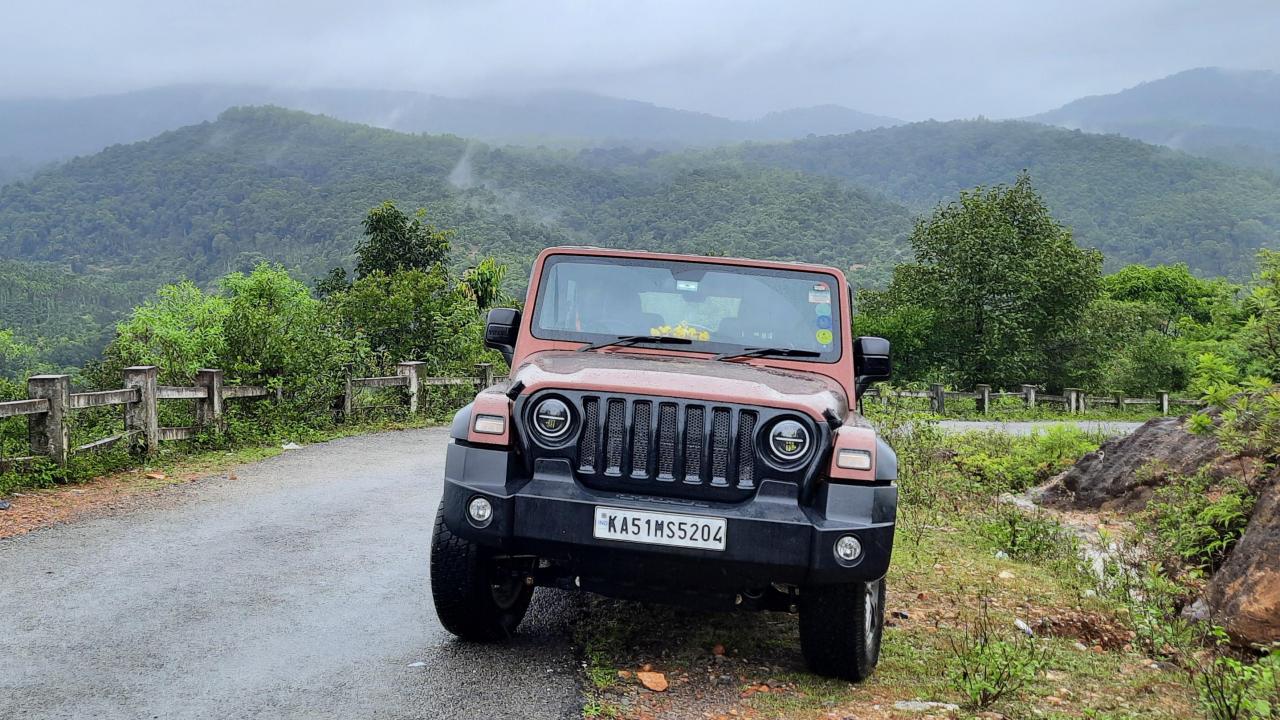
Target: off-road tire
(467, 603)
(841, 627)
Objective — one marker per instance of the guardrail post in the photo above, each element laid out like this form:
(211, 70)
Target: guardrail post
(983, 398)
(1029, 396)
(49, 433)
(209, 410)
(1120, 401)
(937, 398)
(1164, 401)
(142, 416)
(348, 399)
(409, 369)
(1075, 403)
(485, 372)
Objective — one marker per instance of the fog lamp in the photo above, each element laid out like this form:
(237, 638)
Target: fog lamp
(848, 549)
(849, 459)
(479, 511)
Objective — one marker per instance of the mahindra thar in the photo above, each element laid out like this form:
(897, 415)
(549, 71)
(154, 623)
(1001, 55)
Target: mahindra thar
(678, 429)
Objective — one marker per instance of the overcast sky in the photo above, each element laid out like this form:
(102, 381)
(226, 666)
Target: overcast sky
(914, 60)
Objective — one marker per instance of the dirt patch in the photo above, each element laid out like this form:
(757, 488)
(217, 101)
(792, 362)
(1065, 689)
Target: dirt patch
(34, 509)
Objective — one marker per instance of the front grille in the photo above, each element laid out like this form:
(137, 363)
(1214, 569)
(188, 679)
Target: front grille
(688, 444)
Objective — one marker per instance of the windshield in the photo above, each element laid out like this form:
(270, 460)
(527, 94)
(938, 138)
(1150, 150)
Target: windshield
(720, 308)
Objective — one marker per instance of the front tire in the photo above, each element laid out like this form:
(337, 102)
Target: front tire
(475, 597)
(841, 627)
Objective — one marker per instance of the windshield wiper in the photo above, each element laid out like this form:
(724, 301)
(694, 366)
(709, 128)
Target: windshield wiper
(763, 351)
(635, 339)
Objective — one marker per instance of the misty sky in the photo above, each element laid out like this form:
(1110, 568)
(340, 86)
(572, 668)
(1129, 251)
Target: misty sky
(913, 60)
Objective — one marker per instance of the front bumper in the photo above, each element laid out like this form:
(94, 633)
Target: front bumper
(770, 538)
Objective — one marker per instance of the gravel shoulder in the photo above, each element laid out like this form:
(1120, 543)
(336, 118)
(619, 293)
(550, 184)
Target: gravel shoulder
(298, 589)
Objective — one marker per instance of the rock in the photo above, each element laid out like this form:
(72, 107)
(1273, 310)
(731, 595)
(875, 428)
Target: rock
(4, 504)
(921, 706)
(1244, 595)
(1006, 575)
(1115, 476)
(291, 446)
(155, 476)
(1023, 626)
(654, 681)
(901, 614)
(1002, 555)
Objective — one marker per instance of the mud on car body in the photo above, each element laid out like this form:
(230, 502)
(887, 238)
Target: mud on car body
(677, 429)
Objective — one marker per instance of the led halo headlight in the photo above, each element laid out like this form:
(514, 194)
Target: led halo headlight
(552, 419)
(788, 441)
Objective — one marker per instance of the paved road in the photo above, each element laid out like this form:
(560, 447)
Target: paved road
(298, 590)
(1107, 427)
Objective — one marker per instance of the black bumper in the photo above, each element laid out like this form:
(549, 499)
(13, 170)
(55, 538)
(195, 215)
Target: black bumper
(770, 538)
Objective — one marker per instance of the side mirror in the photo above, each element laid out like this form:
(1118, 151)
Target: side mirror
(501, 328)
(870, 362)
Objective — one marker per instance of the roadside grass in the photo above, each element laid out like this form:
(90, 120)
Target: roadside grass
(965, 551)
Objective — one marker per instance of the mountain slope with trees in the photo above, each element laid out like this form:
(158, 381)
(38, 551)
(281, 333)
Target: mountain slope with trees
(43, 130)
(1231, 115)
(265, 184)
(1136, 202)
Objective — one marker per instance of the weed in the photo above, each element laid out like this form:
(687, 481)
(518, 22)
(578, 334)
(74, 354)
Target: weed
(988, 667)
(1031, 537)
(1231, 688)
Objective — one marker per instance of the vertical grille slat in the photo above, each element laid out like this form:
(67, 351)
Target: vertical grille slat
(614, 436)
(640, 439)
(746, 453)
(587, 441)
(666, 441)
(695, 421)
(720, 447)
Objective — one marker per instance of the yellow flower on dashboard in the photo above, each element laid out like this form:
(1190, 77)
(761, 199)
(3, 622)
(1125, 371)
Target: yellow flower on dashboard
(681, 331)
(704, 336)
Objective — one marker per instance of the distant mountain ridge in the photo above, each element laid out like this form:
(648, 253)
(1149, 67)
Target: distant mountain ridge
(38, 131)
(1138, 203)
(1232, 115)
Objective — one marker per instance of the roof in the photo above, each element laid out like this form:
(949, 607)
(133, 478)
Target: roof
(744, 262)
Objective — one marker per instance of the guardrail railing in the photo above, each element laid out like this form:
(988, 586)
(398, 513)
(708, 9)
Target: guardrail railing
(1073, 400)
(51, 403)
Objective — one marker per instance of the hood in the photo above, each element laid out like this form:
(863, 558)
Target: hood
(662, 375)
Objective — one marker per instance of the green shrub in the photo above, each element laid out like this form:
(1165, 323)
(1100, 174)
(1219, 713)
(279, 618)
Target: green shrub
(1030, 537)
(1231, 688)
(1196, 521)
(988, 666)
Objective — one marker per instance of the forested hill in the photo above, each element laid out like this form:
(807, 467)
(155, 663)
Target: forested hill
(1136, 202)
(37, 131)
(266, 183)
(1233, 115)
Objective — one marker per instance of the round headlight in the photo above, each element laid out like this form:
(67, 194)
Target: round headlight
(551, 418)
(789, 441)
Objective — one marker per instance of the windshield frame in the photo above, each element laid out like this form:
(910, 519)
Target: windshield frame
(808, 274)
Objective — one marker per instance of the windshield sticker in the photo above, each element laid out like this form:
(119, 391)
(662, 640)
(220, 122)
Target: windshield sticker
(687, 285)
(822, 310)
(819, 296)
(683, 330)
(824, 337)
(824, 322)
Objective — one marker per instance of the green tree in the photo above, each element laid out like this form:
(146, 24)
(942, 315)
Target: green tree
(1003, 283)
(393, 241)
(414, 315)
(278, 335)
(179, 330)
(483, 284)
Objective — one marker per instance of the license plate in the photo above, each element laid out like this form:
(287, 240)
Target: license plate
(651, 528)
